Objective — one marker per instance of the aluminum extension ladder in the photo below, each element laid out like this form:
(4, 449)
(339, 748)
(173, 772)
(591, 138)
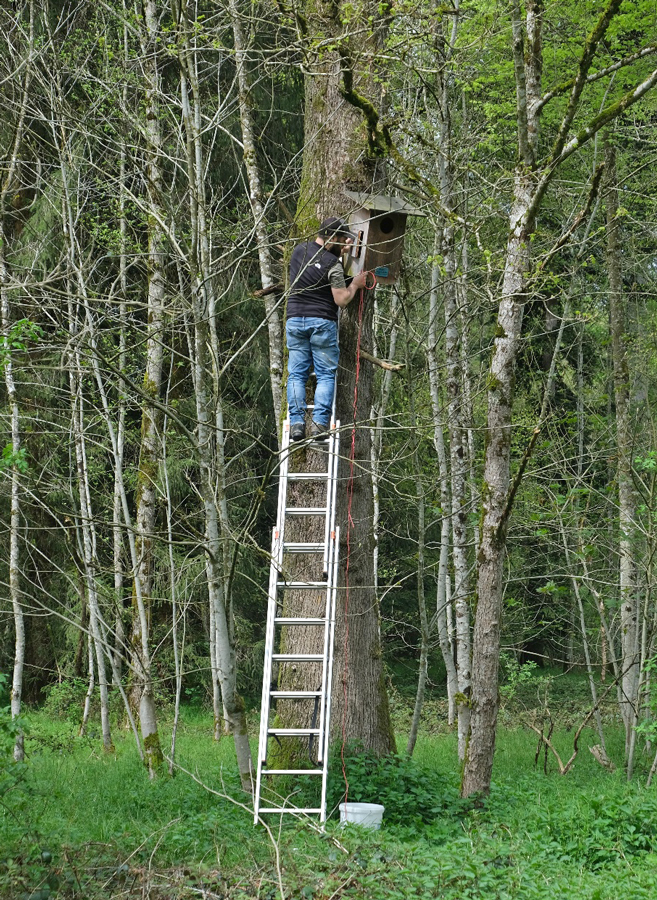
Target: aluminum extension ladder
(275, 621)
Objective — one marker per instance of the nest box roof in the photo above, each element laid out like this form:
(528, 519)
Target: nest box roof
(381, 203)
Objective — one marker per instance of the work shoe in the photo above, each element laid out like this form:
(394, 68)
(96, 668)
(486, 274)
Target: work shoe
(297, 431)
(318, 432)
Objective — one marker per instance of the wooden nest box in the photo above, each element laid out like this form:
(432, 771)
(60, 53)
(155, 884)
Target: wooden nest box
(379, 224)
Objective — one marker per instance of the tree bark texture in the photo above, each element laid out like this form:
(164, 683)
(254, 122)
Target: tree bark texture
(256, 197)
(495, 491)
(150, 450)
(7, 186)
(209, 439)
(627, 501)
(334, 160)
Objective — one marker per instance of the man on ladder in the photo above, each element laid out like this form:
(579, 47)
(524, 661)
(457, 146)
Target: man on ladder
(317, 290)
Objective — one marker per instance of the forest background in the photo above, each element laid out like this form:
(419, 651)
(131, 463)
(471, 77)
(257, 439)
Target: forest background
(159, 162)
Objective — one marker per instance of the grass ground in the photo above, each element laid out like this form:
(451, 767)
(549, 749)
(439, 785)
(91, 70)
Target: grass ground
(79, 824)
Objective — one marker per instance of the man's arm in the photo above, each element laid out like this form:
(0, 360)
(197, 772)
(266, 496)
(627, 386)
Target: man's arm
(345, 294)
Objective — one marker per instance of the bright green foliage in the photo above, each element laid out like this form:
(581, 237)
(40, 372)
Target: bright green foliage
(11, 772)
(411, 794)
(94, 827)
(10, 459)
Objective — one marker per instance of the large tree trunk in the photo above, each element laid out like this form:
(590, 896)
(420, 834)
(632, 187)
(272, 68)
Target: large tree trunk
(333, 162)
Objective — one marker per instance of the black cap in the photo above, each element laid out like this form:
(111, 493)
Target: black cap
(333, 228)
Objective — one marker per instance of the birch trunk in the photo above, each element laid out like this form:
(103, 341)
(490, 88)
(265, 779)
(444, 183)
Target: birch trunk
(86, 709)
(421, 537)
(378, 417)
(256, 198)
(86, 527)
(443, 594)
(14, 522)
(121, 399)
(6, 187)
(210, 446)
(89, 555)
(150, 449)
(627, 501)
(458, 465)
(178, 651)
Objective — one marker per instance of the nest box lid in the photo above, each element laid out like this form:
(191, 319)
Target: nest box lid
(381, 203)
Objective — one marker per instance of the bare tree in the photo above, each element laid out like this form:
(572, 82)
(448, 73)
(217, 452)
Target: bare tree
(630, 627)
(531, 181)
(10, 337)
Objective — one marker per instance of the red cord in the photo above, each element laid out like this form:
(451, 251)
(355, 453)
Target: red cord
(350, 523)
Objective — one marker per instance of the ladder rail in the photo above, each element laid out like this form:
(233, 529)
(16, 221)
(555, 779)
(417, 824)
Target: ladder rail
(278, 581)
(329, 687)
(334, 443)
(278, 537)
(325, 667)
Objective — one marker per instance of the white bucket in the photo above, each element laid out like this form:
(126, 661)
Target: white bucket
(367, 814)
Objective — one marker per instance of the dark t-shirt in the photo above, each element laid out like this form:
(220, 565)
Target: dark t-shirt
(313, 272)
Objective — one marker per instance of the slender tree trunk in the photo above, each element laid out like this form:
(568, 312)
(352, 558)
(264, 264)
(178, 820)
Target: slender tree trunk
(121, 400)
(627, 503)
(210, 457)
(178, 651)
(496, 498)
(378, 417)
(272, 312)
(6, 187)
(458, 465)
(14, 521)
(443, 593)
(495, 494)
(421, 539)
(150, 449)
(86, 709)
(88, 552)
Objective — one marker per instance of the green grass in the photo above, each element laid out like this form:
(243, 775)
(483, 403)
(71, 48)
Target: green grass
(84, 825)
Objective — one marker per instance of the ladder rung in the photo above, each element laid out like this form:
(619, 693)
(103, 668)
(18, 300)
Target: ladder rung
(294, 695)
(298, 585)
(293, 547)
(298, 620)
(306, 476)
(287, 809)
(297, 657)
(293, 732)
(293, 771)
(305, 511)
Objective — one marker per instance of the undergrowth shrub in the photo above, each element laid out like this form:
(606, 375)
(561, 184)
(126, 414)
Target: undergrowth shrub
(610, 829)
(409, 792)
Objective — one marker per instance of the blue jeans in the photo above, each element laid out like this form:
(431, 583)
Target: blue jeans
(311, 342)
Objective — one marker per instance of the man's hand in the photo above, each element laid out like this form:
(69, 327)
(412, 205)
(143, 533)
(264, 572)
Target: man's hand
(344, 296)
